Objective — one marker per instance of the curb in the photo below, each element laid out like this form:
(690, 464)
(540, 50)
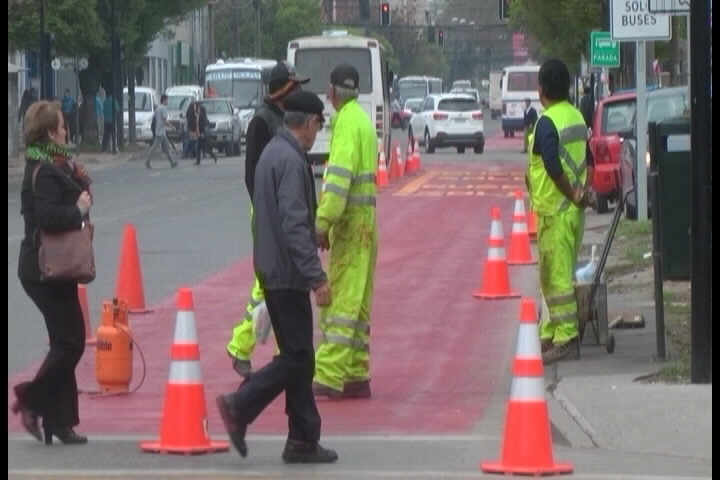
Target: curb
(580, 421)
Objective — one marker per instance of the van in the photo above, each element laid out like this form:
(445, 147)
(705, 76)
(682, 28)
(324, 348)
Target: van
(519, 82)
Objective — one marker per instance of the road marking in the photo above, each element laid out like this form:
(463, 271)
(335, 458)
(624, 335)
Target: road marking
(415, 184)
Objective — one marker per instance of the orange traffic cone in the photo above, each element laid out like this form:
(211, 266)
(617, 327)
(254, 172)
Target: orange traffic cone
(82, 296)
(416, 158)
(381, 179)
(184, 427)
(401, 163)
(409, 165)
(496, 278)
(394, 166)
(527, 442)
(532, 225)
(519, 238)
(130, 284)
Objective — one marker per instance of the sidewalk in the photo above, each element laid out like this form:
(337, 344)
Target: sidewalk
(608, 399)
(91, 160)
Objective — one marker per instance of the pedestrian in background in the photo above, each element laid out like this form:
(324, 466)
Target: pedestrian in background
(347, 226)
(288, 267)
(55, 197)
(161, 122)
(530, 116)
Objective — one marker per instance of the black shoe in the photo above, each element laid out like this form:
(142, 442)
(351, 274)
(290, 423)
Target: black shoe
(357, 389)
(235, 427)
(66, 435)
(301, 452)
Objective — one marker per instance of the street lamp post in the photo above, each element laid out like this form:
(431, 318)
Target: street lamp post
(43, 53)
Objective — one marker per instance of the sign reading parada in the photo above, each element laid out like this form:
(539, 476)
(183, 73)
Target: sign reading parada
(632, 21)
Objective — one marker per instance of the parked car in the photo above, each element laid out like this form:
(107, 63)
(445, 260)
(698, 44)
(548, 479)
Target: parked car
(662, 103)
(612, 114)
(448, 120)
(226, 130)
(407, 111)
(179, 99)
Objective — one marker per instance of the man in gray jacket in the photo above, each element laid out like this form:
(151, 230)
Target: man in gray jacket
(288, 267)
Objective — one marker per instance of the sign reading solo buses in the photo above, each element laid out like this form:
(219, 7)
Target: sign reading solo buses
(632, 21)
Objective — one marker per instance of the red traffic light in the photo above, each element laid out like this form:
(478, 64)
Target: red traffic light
(385, 7)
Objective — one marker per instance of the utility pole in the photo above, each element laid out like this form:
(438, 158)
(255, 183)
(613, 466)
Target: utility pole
(258, 46)
(211, 30)
(43, 53)
(114, 80)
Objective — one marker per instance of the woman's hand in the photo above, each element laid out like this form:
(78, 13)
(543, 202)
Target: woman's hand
(84, 202)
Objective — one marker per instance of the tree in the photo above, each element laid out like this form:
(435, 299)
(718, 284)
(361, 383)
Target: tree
(82, 27)
(280, 22)
(574, 18)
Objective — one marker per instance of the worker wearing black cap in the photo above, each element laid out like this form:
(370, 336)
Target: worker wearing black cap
(288, 267)
(346, 224)
(282, 80)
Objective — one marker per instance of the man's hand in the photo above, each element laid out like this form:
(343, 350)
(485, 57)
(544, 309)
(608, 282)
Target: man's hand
(323, 295)
(323, 240)
(584, 197)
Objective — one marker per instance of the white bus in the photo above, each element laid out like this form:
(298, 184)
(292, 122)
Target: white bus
(418, 87)
(317, 56)
(241, 80)
(519, 82)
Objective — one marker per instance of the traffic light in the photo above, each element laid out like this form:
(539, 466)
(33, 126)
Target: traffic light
(441, 37)
(385, 14)
(504, 9)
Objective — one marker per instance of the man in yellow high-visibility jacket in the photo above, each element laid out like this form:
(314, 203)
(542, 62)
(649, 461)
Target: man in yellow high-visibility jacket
(346, 224)
(557, 178)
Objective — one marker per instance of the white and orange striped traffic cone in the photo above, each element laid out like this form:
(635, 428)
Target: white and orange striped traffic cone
(527, 441)
(184, 426)
(495, 282)
(381, 179)
(520, 253)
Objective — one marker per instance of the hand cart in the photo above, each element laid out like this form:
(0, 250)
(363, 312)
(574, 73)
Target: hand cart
(592, 297)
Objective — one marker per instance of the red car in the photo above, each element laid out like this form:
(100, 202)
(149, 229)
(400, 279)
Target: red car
(613, 113)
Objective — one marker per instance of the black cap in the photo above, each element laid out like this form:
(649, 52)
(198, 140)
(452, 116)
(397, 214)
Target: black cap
(281, 74)
(303, 101)
(346, 76)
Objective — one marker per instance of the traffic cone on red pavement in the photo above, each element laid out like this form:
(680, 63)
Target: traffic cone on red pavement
(495, 282)
(130, 283)
(520, 253)
(532, 225)
(381, 179)
(527, 441)
(402, 166)
(184, 425)
(395, 172)
(82, 296)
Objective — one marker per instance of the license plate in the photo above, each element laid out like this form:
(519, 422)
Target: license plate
(460, 120)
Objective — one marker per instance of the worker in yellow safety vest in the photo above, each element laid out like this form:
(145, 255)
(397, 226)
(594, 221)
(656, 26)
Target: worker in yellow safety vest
(346, 225)
(558, 175)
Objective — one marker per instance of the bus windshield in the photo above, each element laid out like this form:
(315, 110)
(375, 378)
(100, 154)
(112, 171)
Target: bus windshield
(317, 63)
(522, 82)
(245, 87)
(413, 89)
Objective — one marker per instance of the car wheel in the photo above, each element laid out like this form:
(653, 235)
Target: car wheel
(228, 149)
(429, 147)
(461, 149)
(602, 204)
(479, 148)
(512, 133)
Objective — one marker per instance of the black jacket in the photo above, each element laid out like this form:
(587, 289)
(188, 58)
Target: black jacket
(52, 208)
(192, 119)
(261, 129)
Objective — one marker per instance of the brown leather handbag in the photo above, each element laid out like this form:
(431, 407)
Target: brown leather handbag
(66, 256)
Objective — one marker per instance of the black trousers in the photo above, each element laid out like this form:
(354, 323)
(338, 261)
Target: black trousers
(203, 146)
(53, 393)
(291, 371)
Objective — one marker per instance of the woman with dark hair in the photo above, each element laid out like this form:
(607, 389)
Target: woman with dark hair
(55, 197)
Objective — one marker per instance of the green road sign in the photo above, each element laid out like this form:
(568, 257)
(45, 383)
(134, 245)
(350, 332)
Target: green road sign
(604, 51)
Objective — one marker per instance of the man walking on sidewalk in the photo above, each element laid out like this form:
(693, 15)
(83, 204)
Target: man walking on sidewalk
(557, 178)
(347, 226)
(288, 267)
(161, 122)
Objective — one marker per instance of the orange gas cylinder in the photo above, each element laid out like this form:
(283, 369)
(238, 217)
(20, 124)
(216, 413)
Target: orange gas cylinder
(114, 348)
